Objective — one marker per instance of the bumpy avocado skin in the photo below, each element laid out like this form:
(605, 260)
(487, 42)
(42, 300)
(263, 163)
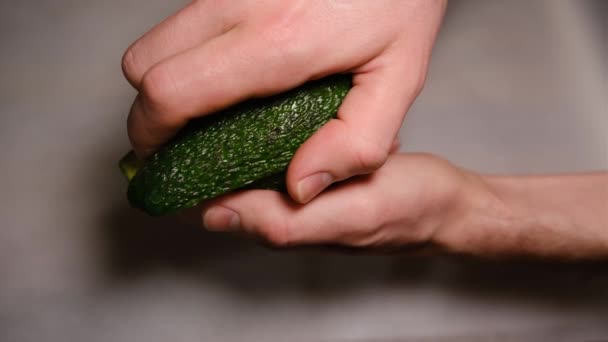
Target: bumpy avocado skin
(249, 145)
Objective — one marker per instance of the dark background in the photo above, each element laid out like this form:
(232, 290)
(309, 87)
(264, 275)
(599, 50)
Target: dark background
(514, 87)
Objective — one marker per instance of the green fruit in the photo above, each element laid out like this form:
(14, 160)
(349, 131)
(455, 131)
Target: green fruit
(248, 145)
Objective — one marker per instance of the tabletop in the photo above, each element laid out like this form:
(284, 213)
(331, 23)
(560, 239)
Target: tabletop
(514, 87)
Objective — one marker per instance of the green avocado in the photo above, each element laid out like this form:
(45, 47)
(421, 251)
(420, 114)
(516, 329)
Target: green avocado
(246, 146)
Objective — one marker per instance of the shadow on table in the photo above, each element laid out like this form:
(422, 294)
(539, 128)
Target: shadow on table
(137, 245)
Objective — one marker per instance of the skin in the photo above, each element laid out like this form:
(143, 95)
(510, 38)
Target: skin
(212, 54)
(423, 200)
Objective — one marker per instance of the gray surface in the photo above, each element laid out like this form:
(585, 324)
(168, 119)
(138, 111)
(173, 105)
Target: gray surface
(515, 86)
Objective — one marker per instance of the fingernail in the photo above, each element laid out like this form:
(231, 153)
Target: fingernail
(220, 218)
(312, 185)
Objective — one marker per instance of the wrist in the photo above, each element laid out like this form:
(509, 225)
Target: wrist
(525, 217)
(553, 216)
(478, 222)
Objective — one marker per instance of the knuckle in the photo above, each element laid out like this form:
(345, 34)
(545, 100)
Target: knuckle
(418, 84)
(369, 156)
(415, 82)
(158, 89)
(129, 66)
(411, 78)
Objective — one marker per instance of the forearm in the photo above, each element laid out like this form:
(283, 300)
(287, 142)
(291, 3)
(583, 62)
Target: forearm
(542, 216)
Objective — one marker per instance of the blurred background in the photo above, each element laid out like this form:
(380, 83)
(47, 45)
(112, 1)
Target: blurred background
(514, 87)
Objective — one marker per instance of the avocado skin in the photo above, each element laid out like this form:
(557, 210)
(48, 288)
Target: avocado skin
(248, 146)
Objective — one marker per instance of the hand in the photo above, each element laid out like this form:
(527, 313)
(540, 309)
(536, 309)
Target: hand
(421, 200)
(408, 201)
(212, 54)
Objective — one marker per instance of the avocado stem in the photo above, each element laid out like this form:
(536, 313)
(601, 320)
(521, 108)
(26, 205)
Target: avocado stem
(129, 165)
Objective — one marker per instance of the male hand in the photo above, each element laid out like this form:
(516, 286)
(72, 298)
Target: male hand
(422, 200)
(212, 54)
(410, 200)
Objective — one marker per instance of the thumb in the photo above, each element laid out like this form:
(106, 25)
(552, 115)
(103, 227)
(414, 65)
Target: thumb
(360, 139)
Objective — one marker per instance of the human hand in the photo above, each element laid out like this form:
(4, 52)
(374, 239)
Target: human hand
(424, 201)
(409, 201)
(212, 54)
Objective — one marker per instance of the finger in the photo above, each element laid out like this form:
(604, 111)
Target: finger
(194, 24)
(344, 215)
(360, 140)
(202, 80)
(366, 211)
